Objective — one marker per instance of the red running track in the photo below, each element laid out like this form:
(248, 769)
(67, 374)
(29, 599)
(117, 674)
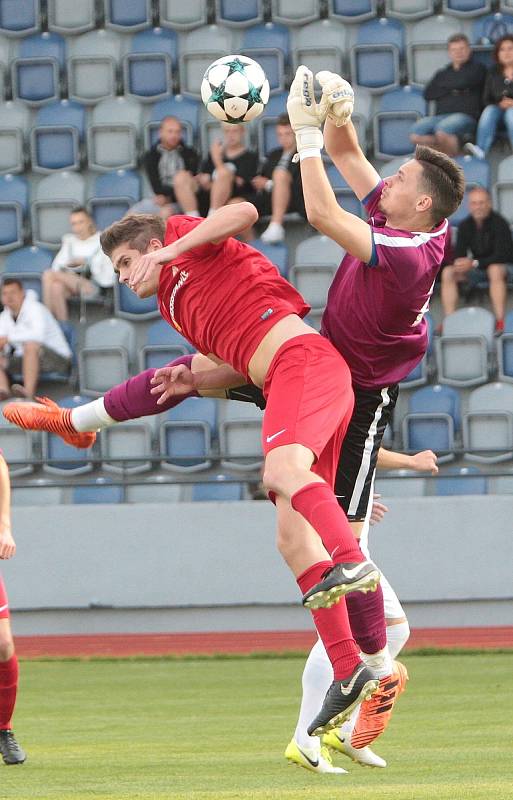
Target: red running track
(120, 645)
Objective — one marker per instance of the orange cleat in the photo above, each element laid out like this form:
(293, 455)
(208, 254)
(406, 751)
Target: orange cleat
(375, 713)
(45, 415)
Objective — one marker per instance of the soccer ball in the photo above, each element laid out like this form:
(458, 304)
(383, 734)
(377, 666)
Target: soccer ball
(235, 89)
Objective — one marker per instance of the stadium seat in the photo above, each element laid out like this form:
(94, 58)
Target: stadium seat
(154, 490)
(35, 73)
(70, 19)
(184, 108)
(462, 211)
(269, 45)
(294, 12)
(427, 46)
(356, 11)
(60, 458)
(502, 189)
(127, 16)
(92, 66)
(319, 249)
(277, 253)
(14, 123)
(398, 109)
(57, 135)
(13, 207)
(377, 55)
(321, 45)
(114, 193)
(409, 10)
(401, 483)
(266, 123)
(55, 196)
(312, 282)
(183, 16)
(128, 306)
(163, 344)
(502, 484)
(240, 438)
(346, 197)
(462, 352)
(239, 15)
(20, 17)
(99, 491)
(432, 421)
(486, 30)
(36, 495)
(505, 350)
(466, 8)
(186, 435)
(419, 375)
(27, 264)
(488, 424)
(218, 490)
(17, 448)
(112, 136)
(200, 48)
(148, 68)
(477, 170)
(461, 480)
(101, 366)
(131, 443)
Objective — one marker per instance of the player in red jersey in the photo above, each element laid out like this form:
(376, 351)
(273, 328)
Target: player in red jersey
(9, 748)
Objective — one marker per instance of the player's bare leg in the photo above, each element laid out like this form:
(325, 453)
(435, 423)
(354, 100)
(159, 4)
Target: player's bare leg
(184, 187)
(10, 750)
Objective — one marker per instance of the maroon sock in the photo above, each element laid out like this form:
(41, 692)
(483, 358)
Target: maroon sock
(367, 620)
(8, 689)
(332, 625)
(133, 398)
(317, 503)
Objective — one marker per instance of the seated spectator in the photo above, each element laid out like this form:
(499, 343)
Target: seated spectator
(31, 340)
(229, 169)
(456, 90)
(497, 99)
(279, 183)
(170, 166)
(486, 236)
(80, 268)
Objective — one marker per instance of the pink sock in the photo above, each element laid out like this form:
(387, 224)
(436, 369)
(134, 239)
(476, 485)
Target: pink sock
(317, 503)
(8, 689)
(332, 625)
(367, 620)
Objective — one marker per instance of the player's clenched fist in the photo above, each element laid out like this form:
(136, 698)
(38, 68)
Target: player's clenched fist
(337, 100)
(306, 117)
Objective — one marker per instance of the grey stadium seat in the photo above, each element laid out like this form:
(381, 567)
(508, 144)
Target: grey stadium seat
(409, 10)
(54, 198)
(157, 490)
(106, 357)
(199, 49)
(128, 440)
(240, 438)
(401, 483)
(92, 66)
(295, 12)
(321, 45)
(462, 352)
(503, 189)
(183, 16)
(488, 424)
(426, 50)
(313, 281)
(14, 123)
(41, 495)
(319, 249)
(113, 134)
(71, 18)
(17, 445)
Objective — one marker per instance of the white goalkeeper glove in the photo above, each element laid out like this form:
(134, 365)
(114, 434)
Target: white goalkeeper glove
(337, 99)
(306, 117)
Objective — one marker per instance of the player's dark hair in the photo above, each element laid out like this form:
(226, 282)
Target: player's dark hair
(137, 230)
(283, 119)
(80, 210)
(12, 282)
(443, 180)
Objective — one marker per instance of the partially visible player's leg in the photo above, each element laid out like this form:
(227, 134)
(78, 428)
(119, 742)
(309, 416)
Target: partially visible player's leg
(10, 750)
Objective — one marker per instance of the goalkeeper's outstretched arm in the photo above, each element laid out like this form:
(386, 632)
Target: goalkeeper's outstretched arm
(343, 148)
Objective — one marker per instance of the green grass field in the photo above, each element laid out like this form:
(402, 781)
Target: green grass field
(217, 729)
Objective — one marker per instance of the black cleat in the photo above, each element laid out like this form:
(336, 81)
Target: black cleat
(342, 697)
(340, 580)
(10, 749)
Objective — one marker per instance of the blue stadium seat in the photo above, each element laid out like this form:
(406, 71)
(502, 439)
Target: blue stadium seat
(219, 490)
(163, 344)
(57, 135)
(346, 197)
(20, 17)
(98, 491)
(114, 193)
(461, 480)
(488, 29)
(186, 435)
(356, 11)
(60, 458)
(35, 73)
(28, 264)
(277, 253)
(148, 67)
(505, 350)
(269, 45)
(128, 306)
(377, 55)
(128, 15)
(432, 421)
(398, 110)
(419, 374)
(237, 14)
(477, 170)
(266, 123)
(186, 109)
(13, 207)
(466, 8)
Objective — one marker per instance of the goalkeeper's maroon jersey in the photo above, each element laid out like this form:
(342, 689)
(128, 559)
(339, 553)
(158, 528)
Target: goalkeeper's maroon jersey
(224, 297)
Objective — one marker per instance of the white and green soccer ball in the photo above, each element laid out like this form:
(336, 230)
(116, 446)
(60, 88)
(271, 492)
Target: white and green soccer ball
(235, 89)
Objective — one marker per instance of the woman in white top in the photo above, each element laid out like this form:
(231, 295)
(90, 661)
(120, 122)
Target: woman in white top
(79, 268)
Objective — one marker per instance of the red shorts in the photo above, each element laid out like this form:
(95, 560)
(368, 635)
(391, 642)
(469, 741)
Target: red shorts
(4, 603)
(309, 401)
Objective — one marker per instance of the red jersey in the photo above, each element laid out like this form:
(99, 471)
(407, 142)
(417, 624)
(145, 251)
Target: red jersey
(224, 297)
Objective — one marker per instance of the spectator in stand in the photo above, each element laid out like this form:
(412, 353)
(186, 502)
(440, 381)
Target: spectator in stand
(80, 268)
(31, 340)
(228, 171)
(456, 91)
(278, 185)
(497, 99)
(171, 167)
(486, 236)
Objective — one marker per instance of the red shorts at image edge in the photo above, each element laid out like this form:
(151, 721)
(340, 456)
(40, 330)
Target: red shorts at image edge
(309, 401)
(4, 602)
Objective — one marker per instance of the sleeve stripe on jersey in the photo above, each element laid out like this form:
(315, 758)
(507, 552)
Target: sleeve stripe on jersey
(404, 241)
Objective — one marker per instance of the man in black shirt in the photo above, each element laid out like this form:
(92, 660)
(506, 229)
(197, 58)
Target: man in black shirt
(456, 91)
(171, 166)
(484, 250)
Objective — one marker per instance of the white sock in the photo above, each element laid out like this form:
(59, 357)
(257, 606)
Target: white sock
(380, 662)
(193, 213)
(317, 679)
(91, 417)
(397, 636)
